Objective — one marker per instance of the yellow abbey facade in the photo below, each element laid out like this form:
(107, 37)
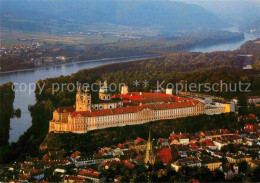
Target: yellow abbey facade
(127, 108)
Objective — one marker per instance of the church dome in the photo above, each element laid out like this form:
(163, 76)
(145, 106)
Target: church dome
(104, 89)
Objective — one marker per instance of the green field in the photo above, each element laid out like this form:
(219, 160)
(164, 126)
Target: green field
(98, 34)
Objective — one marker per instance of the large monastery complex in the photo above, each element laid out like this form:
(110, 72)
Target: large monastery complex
(127, 108)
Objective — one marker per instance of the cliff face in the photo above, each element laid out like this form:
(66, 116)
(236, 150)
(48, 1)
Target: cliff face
(51, 141)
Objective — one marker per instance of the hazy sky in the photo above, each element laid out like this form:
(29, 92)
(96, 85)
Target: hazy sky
(218, 0)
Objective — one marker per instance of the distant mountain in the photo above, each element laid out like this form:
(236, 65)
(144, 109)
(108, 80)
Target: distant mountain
(45, 15)
(253, 26)
(238, 12)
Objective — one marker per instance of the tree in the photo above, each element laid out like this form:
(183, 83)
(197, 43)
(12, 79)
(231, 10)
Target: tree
(141, 178)
(218, 175)
(243, 167)
(229, 148)
(158, 165)
(204, 174)
(256, 175)
(242, 105)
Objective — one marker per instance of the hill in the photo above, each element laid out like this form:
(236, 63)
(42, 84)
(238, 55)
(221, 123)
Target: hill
(66, 15)
(252, 26)
(91, 141)
(238, 12)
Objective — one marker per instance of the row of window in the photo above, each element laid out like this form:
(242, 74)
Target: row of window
(110, 106)
(131, 117)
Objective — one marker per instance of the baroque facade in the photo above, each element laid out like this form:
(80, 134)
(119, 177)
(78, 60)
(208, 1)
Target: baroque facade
(127, 108)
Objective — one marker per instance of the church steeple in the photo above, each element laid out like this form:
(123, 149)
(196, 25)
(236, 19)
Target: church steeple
(149, 156)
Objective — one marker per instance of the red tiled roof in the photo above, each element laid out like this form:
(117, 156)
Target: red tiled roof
(180, 136)
(252, 115)
(194, 180)
(193, 146)
(24, 177)
(75, 154)
(164, 155)
(89, 172)
(134, 109)
(161, 140)
(140, 141)
(101, 151)
(46, 157)
(249, 125)
(209, 143)
(128, 165)
(104, 163)
(223, 131)
(126, 101)
(253, 97)
(139, 158)
(232, 137)
(192, 138)
(127, 97)
(113, 162)
(76, 178)
(171, 138)
(120, 145)
(143, 97)
(35, 171)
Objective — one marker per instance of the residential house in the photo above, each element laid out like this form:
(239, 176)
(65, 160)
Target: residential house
(211, 163)
(220, 143)
(190, 162)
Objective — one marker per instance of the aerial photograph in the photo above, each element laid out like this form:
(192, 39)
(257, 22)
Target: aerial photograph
(131, 91)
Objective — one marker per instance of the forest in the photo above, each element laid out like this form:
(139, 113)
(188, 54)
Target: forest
(173, 67)
(252, 47)
(6, 112)
(163, 42)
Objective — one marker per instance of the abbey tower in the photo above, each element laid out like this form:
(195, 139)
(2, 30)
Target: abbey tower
(83, 100)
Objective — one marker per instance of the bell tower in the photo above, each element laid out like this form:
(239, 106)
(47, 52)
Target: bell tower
(149, 155)
(104, 92)
(83, 100)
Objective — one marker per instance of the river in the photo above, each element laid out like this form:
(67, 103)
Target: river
(226, 46)
(23, 99)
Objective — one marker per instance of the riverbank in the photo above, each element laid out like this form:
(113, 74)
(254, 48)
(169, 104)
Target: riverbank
(24, 99)
(75, 62)
(233, 45)
(119, 49)
(172, 68)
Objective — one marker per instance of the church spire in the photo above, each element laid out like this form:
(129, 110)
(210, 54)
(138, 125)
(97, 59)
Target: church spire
(149, 156)
(149, 137)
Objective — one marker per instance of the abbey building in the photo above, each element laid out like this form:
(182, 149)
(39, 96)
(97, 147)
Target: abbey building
(127, 108)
